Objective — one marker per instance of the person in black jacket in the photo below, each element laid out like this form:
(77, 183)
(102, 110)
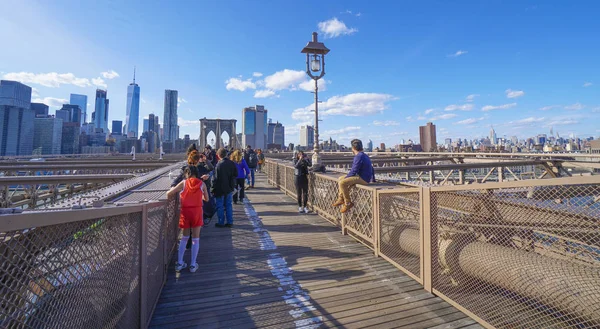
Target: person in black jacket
(301, 164)
(198, 160)
(223, 185)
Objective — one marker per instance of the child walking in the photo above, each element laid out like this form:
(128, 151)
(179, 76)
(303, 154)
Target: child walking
(193, 192)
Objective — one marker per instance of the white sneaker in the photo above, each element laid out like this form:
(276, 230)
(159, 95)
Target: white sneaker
(180, 266)
(300, 210)
(306, 210)
(194, 267)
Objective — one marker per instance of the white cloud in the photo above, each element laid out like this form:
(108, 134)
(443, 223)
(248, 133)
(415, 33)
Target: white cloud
(514, 93)
(53, 79)
(420, 117)
(386, 123)
(337, 132)
(410, 119)
(546, 108)
(399, 133)
(309, 85)
(587, 84)
(180, 100)
(110, 74)
(443, 117)
(464, 107)
(429, 111)
(98, 82)
(357, 104)
(596, 109)
(264, 93)
(471, 97)
(51, 101)
(527, 121)
(187, 123)
(561, 122)
(498, 107)
(574, 107)
(239, 84)
(286, 79)
(458, 53)
(335, 28)
(257, 74)
(469, 121)
(35, 92)
(358, 14)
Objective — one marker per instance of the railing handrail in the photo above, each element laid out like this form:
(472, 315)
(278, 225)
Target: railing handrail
(31, 219)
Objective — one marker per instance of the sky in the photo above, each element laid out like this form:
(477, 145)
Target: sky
(519, 66)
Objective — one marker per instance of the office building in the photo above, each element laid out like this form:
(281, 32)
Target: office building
(153, 123)
(270, 131)
(279, 135)
(254, 126)
(40, 109)
(382, 146)
(70, 138)
(170, 117)
(100, 115)
(492, 136)
(117, 127)
(80, 100)
(133, 108)
(70, 113)
(370, 146)
(307, 137)
(16, 119)
(47, 135)
(146, 125)
(427, 137)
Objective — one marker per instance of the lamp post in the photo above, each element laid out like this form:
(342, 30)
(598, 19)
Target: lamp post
(315, 68)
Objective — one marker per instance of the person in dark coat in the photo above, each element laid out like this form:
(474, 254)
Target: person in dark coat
(301, 164)
(198, 160)
(223, 185)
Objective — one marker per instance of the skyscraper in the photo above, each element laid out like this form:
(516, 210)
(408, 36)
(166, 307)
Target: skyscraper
(16, 119)
(80, 100)
(370, 146)
(47, 136)
(146, 125)
(307, 136)
(40, 109)
(254, 126)
(70, 113)
(100, 115)
(279, 135)
(152, 122)
(427, 137)
(493, 136)
(70, 138)
(170, 117)
(133, 108)
(117, 127)
(270, 131)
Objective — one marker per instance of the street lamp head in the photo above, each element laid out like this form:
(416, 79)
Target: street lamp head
(315, 64)
(315, 47)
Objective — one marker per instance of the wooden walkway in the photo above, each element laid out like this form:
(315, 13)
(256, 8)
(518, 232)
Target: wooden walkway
(279, 269)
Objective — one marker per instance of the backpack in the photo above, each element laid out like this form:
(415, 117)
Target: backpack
(252, 160)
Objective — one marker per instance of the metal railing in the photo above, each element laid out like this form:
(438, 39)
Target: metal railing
(92, 268)
(520, 254)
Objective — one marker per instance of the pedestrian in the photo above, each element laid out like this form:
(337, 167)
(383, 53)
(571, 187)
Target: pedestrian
(199, 160)
(301, 164)
(361, 174)
(252, 161)
(192, 194)
(243, 171)
(261, 159)
(210, 155)
(223, 185)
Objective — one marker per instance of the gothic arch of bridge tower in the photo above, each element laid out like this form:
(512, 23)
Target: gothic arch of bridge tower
(218, 127)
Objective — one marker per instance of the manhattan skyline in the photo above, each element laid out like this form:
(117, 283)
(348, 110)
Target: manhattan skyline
(522, 67)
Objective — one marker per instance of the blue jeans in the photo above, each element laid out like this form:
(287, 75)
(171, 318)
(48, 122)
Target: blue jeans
(252, 170)
(225, 205)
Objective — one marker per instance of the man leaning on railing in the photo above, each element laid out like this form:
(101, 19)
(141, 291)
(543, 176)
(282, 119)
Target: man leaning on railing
(361, 174)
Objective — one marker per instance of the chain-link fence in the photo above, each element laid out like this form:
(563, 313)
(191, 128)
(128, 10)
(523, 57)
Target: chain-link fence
(519, 257)
(94, 268)
(400, 229)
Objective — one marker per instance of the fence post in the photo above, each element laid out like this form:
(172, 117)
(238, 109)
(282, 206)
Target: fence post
(143, 267)
(376, 221)
(426, 254)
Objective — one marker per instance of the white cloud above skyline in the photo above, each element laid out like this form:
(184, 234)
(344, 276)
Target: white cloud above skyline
(471, 97)
(334, 28)
(239, 84)
(429, 111)
(257, 74)
(54, 79)
(356, 104)
(514, 93)
(587, 84)
(265, 93)
(575, 107)
(454, 107)
(51, 101)
(498, 107)
(110, 74)
(458, 53)
(337, 132)
(469, 121)
(387, 123)
(547, 108)
(443, 117)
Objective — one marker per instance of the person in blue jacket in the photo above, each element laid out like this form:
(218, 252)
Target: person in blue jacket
(243, 172)
(361, 173)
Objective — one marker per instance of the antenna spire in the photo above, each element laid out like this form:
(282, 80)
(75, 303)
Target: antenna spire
(134, 74)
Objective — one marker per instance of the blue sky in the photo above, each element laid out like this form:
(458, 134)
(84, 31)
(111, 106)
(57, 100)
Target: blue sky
(519, 66)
